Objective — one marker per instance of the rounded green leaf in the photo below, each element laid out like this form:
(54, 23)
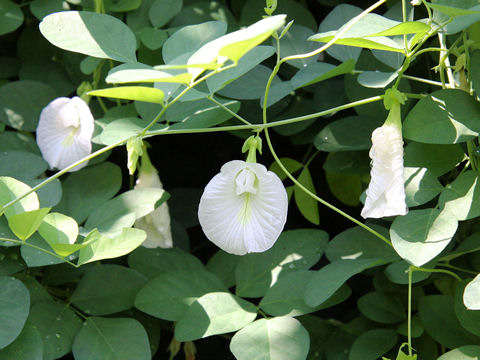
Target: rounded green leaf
(461, 197)
(107, 289)
(397, 273)
(471, 295)
(58, 326)
(294, 42)
(372, 344)
(11, 16)
(444, 117)
(10, 189)
(382, 307)
(79, 199)
(21, 103)
(421, 235)
(331, 277)
(23, 225)
(112, 339)
(437, 158)
(294, 250)
(14, 309)
(357, 243)
(89, 33)
(162, 11)
(286, 296)
(223, 265)
(33, 256)
(212, 314)
(307, 205)
(169, 295)
(21, 164)
(279, 338)
(467, 352)
(27, 346)
(60, 232)
(421, 186)
(469, 318)
(42, 8)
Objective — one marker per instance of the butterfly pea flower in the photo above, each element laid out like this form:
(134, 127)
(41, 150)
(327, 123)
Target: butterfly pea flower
(64, 132)
(243, 209)
(386, 191)
(157, 223)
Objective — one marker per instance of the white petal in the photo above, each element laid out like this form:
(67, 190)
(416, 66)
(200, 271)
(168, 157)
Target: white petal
(157, 223)
(64, 132)
(249, 222)
(386, 191)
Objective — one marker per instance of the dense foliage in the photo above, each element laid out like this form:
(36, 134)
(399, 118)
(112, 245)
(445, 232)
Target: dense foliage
(95, 265)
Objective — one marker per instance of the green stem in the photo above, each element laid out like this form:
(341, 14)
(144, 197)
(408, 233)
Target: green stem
(422, 80)
(458, 269)
(19, 242)
(415, 268)
(404, 19)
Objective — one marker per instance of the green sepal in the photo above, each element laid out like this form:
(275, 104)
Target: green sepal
(252, 144)
(393, 96)
(134, 151)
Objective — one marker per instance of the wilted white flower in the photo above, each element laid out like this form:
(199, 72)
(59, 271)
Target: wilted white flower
(386, 191)
(243, 208)
(64, 132)
(157, 223)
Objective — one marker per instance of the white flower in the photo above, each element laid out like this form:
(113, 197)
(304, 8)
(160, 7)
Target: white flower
(243, 208)
(64, 132)
(157, 223)
(386, 191)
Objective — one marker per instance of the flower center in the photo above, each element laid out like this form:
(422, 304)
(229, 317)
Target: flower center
(245, 182)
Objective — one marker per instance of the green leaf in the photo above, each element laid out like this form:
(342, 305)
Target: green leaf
(89, 33)
(439, 159)
(60, 232)
(170, 294)
(294, 250)
(115, 339)
(339, 16)
(279, 338)
(103, 247)
(421, 235)
(50, 194)
(421, 186)
(153, 262)
(438, 318)
(153, 38)
(376, 79)
(137, 72)
(245, 64)
(80, 199)
(122, 211)
(11, 17)
(444, 117)
(21, 103)
(14, 140)
(320, 71)
(306, 204)
(329, 278)
(357, 243)
(462, 18)
(123, 129)
(27, 346)
(213, 314)
(122, 5)
(338, 135)
(294, 43)
(188, 39)
(397, 273)
(223, 265)
(235, 45)
(138, 93)
(291, 165)
(461, 197)
(285, 297)
(162, 11)
(10, 189)
(58, 326)
(107, 289)
(467, 352)
(346, 187)
(23, 225)
(469, 318)
(475, 70)
(21, 164)
(34, 257)
(372, 344)
(14, 309)
(200, 114)
(347, 162)
(382, 307)
(470, 295)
